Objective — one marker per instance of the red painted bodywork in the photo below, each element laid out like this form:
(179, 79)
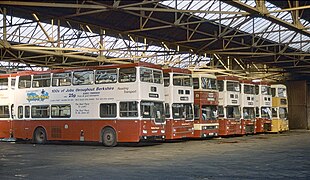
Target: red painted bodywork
(263, 125)
(203, 98)
(5, 129)
(182, 129)
(126, 130)
(248, 126)
(229, 127)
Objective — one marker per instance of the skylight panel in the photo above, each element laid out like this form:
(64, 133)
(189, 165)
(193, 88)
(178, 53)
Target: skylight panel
(182, 4)
(196, 5)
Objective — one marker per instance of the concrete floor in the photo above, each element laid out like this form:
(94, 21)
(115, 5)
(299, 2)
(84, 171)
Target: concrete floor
(272, 156)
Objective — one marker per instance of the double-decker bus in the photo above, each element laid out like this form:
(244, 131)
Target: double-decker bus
(247, 103)
(178, 103)
(263, 106)
(205, 105)
(108, 104)
(7, 85)
(229, 106)
(279, 108)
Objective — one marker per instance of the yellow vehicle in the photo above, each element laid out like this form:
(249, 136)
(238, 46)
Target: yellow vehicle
(279, 108)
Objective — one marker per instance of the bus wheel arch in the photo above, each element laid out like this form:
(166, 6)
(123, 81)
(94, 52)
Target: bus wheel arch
(39, 135)
(108, 136)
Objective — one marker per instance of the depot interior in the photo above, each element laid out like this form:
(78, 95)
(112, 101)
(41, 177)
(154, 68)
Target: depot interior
(257, 40)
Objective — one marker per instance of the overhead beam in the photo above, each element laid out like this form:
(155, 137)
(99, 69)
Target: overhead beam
(259, 12)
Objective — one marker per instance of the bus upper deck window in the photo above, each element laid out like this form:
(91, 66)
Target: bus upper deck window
(158, 77)
(232, 86)
(208, 83)
(106, 76)
(220, 84)
(61, 79)
(146, 75)
(182, 80)
(166, 80)
(41, 80)
(24, 82)
(4, 112)
(4, 84)
(196, 83)
(127, 75)
(83, 77)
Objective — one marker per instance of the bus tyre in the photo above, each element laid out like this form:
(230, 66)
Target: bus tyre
(39, 136)
(109, 137)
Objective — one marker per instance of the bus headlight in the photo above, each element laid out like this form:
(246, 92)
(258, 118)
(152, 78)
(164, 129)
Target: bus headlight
(144, 131)
(162, 131)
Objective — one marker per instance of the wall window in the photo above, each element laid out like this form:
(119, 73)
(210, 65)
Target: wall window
(4, 112)
(20, 113)
(83, 77)
(24, 82)
(41, 80)
(61, 111)
(108, 110)
(127, 75)
(27, 111)
(61, 79)
(4, 84)
(129, 109)
(106, 76)
(40, 111)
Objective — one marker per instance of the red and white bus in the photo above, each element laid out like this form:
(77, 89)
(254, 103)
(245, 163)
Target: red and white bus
(205, 105)
(108, 104)
(247, 102)
(229, 106)
(178, 103)
(263, 103)
(7, 85)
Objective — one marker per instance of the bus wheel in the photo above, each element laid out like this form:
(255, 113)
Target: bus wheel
(109, 137)
(39, 136)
